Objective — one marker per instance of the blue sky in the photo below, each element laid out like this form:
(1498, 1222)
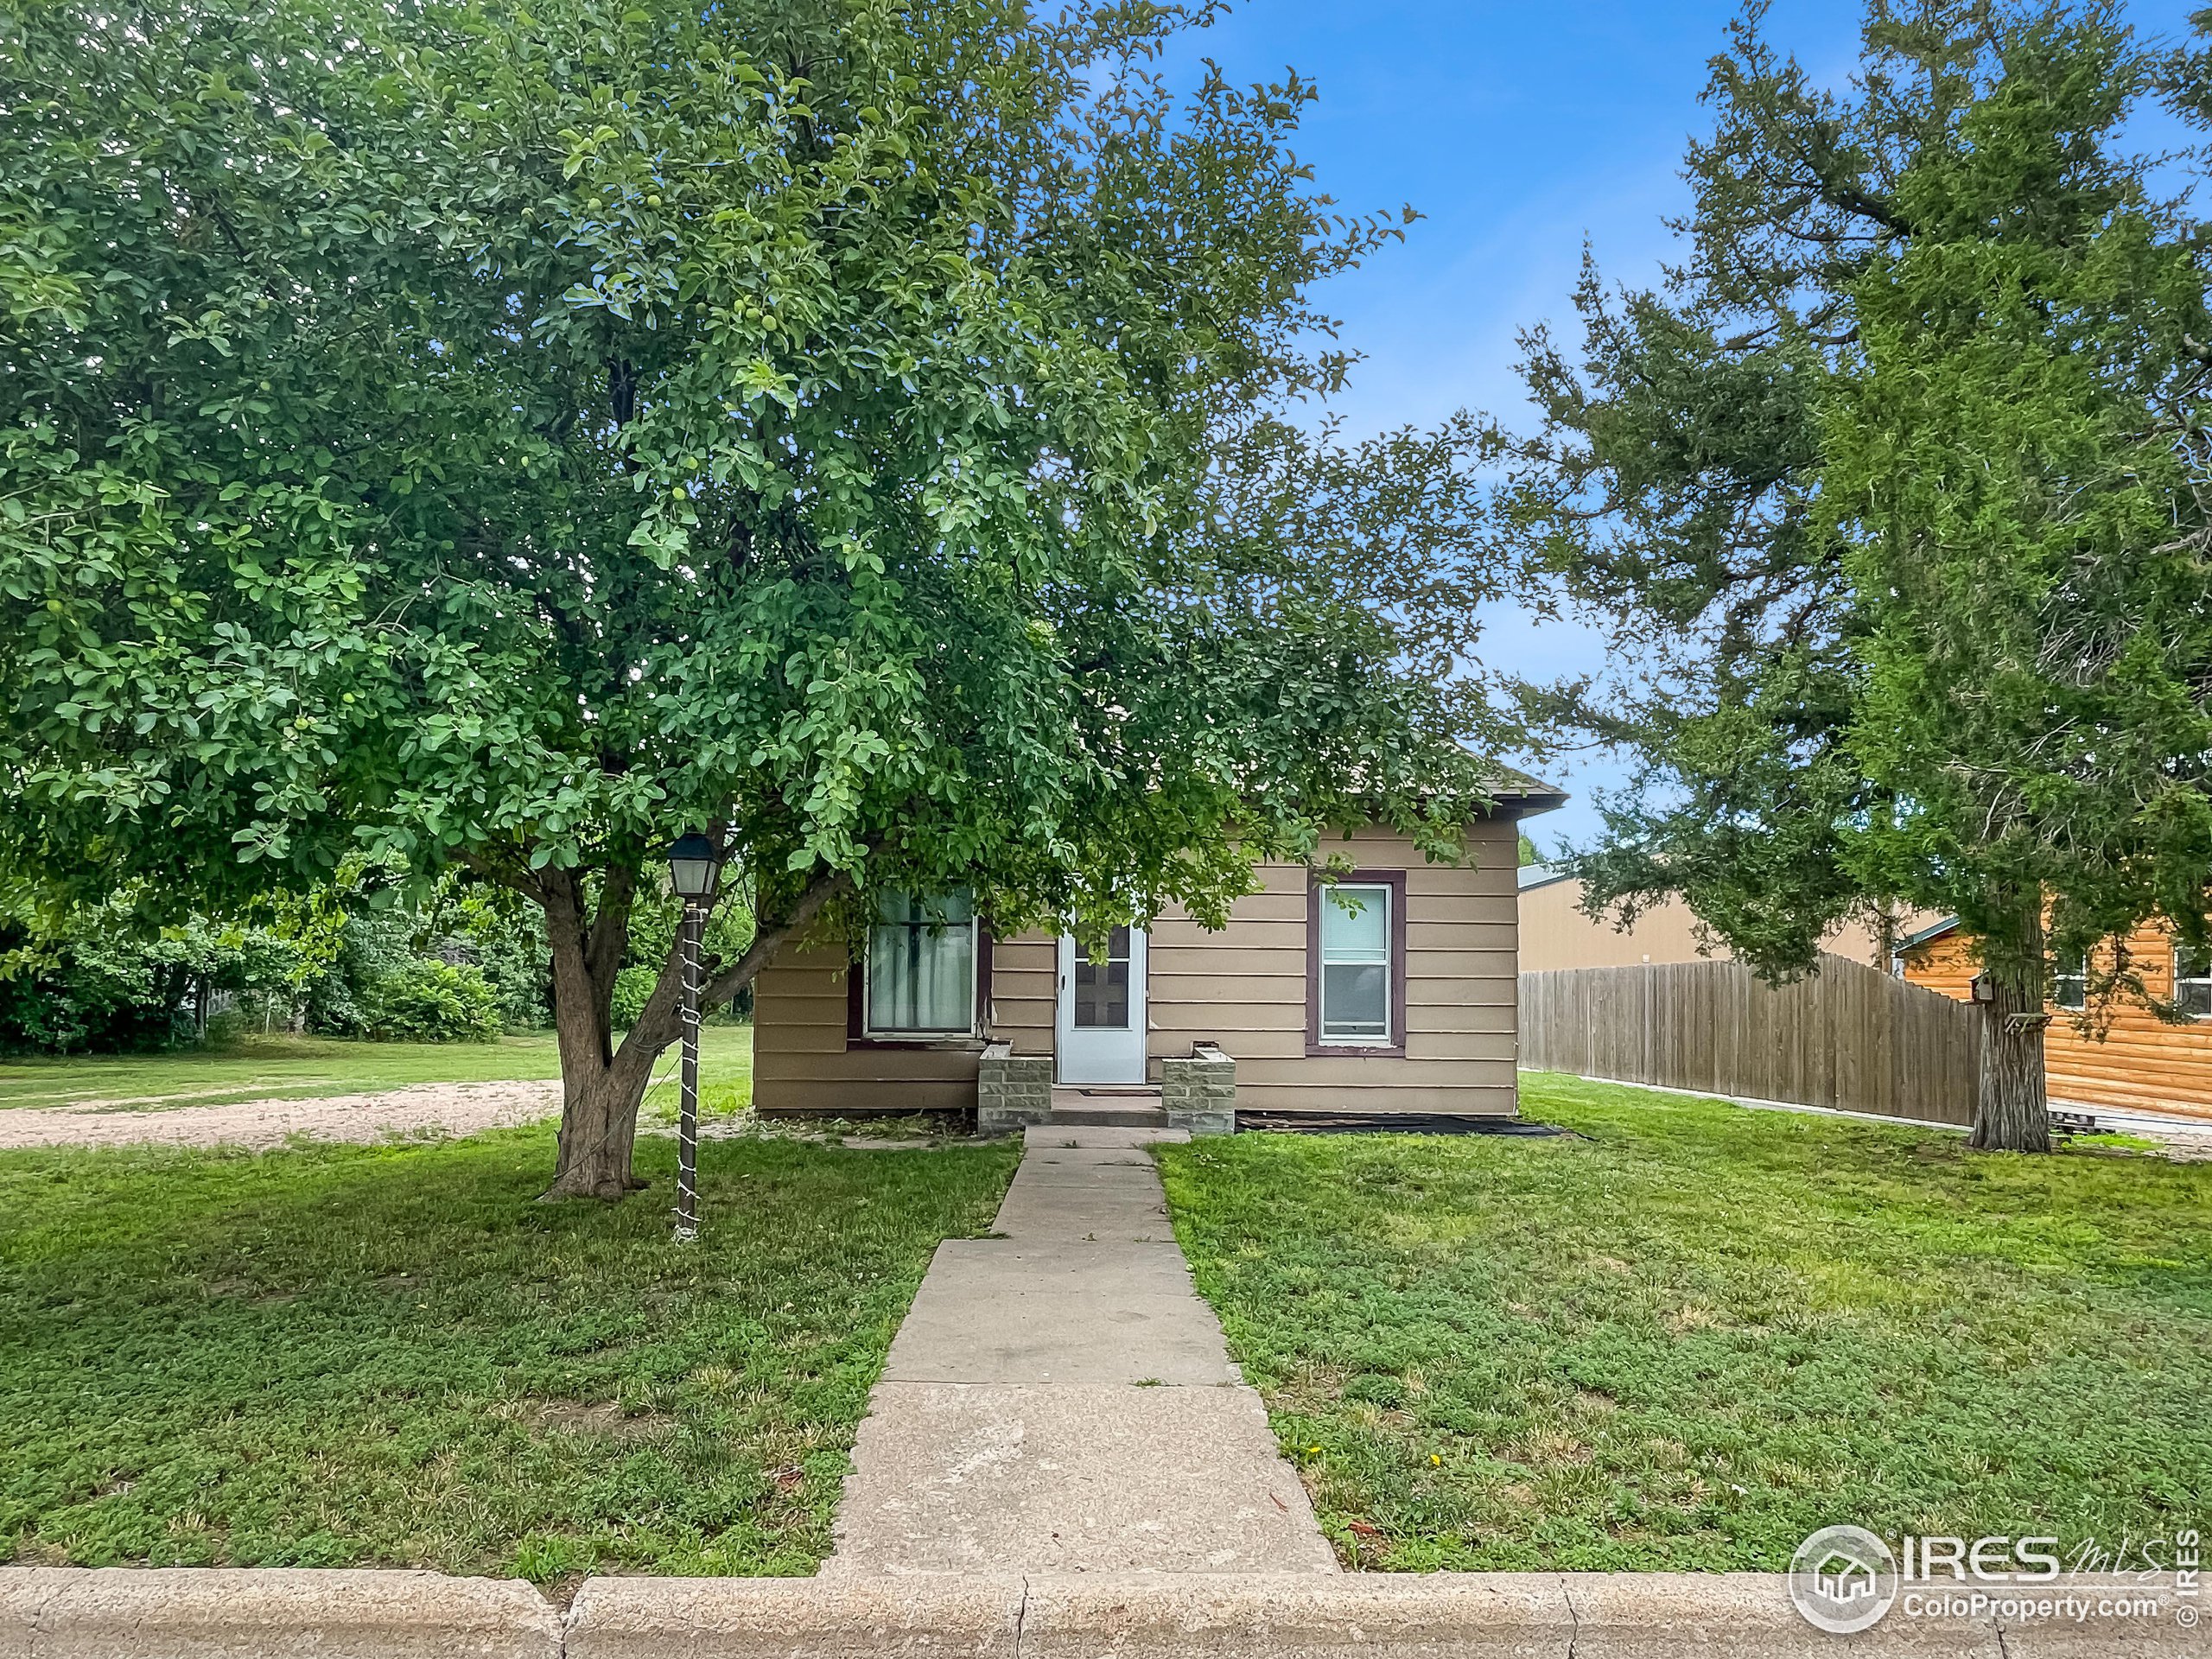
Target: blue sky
(1520, 131)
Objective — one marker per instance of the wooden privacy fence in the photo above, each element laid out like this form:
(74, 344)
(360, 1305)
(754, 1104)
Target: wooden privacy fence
(1850, 1037)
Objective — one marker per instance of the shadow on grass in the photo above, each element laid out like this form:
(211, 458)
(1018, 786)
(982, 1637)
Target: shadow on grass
(394, 1356)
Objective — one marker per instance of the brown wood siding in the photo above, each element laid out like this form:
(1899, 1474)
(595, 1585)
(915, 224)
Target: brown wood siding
(1945, 963)
(1024, 975)
(802, 1062)
(1244, 987)
(2129, 1058)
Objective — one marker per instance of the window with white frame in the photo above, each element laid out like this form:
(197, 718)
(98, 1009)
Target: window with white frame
(921, 966)
(2193, 981)
(2069, 980)
(1354, 964)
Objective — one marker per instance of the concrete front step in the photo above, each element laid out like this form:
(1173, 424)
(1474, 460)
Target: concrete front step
(1107, 1109)
(1134, 1115)
(1074, 1137)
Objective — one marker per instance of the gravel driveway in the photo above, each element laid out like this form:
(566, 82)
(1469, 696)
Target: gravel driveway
(424, 1108)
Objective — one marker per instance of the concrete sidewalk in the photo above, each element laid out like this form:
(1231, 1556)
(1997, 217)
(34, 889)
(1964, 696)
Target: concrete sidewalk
(1060, 1400)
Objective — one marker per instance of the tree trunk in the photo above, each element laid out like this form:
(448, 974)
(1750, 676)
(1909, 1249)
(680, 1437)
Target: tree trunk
(598, 1124)
(602, 1087)
(1885, 938)
(598, 1099)
(2011, 1113)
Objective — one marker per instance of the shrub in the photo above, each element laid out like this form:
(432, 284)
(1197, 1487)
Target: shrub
(631, 987)
(509, 945)
(62, 1001)
(433, 1002)
(105, 978)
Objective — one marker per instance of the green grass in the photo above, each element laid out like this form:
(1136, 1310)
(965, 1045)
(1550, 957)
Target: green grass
(262, 1068)
(2113, 1138)
(1691, 1337)
(362, 1355)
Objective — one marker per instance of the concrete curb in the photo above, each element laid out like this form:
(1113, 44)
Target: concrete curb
(249, 1612)
(926, 1616)
(191, 1613)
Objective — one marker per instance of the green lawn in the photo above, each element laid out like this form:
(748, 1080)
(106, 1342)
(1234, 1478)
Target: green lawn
(1690, 1338)
(362, 1355)
(261, 1068)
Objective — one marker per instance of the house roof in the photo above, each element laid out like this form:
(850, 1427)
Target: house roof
(1934, 930)
(1540, 875)
(1524, 794)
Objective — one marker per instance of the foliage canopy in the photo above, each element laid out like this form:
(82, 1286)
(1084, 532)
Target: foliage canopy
(508, 438)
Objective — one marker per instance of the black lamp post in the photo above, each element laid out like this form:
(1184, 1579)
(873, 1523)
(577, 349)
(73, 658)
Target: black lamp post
(695, 866)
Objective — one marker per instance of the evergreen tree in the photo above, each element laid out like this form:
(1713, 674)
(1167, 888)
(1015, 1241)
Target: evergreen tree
(1899, 486)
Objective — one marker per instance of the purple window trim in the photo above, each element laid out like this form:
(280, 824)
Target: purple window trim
(857, 1032)
(1396, 1048)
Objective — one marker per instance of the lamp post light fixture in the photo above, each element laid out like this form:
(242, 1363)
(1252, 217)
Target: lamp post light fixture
(695, 866)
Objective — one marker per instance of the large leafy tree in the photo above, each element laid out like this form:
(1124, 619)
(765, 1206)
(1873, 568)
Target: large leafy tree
(1900, 485)
(506, 438)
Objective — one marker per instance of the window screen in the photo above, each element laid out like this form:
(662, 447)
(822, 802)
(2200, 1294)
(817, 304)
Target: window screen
(2069, 980)
(1355, 975)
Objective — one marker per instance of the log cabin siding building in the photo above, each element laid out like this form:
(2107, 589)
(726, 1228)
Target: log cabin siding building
(2141, 1062)
(1399, 996)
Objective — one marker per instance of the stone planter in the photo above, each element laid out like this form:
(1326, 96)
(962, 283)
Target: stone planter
(1012, 1090)
(1200, 1092)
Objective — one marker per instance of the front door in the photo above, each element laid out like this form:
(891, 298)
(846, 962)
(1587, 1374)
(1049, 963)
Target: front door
(1101, 1027)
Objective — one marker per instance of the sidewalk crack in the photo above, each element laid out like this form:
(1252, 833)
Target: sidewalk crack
(1020, 1614)
(1573, 1619)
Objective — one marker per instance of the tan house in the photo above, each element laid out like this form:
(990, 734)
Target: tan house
(1392, 991)
(1555, 934)
(2130, 1059)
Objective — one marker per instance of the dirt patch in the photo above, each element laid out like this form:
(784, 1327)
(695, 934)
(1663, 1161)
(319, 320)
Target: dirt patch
(150, 1103)
(425, 1109)
(606, 1420)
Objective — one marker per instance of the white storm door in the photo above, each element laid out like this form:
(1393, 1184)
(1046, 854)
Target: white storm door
(1099, 1032)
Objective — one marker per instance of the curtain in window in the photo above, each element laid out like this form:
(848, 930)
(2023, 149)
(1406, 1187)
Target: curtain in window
(921, 964)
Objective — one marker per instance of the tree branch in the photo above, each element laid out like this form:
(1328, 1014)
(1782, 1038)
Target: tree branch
(521, 881)
(657, 1027)
(610, 928)
(769, 940)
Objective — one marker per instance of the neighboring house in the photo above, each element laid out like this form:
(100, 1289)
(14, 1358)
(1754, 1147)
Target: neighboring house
(1395, 991)
(2141, 1062)
(1554, 934)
